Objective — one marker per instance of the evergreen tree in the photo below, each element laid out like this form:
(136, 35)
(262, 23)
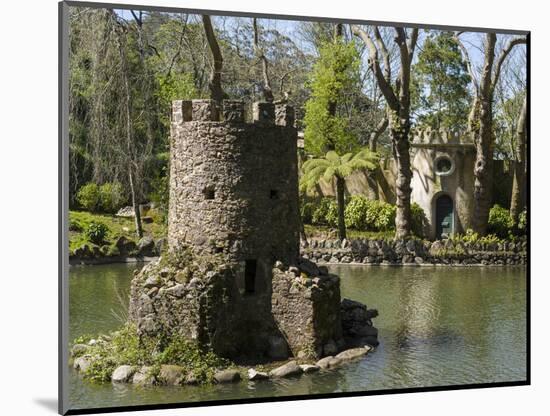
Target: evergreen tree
(440, 96)
(335, 74)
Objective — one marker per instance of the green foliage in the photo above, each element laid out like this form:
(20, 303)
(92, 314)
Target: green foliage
(356, 212)
(332, 214)
(89, 197)
(500, 222)
(381, 215)
(75, 225)
(175, 86)
(111, 196)
(321, 212)
(108, 197)
(339, 167)
(336, 72)
(96, 232)
(440, 83)
(124, 347)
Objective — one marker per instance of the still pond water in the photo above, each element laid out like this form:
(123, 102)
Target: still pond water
(437, 326)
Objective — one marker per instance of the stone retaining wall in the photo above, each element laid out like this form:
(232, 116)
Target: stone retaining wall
(415, 252)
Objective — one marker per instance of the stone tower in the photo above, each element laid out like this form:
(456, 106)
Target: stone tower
(242, 289)
(443, 181)
(234, 185)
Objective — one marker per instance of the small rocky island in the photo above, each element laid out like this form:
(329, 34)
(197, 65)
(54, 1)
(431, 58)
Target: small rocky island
(231, 285)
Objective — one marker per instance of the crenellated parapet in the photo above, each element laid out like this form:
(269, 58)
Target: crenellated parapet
(232, 111)
(429, 136)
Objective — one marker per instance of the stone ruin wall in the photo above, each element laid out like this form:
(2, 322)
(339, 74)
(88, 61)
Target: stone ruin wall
(306, 308)
(234, 196)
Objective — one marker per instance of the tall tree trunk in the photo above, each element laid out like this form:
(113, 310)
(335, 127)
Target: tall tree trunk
(146, 84)
(215, 84)
(129, 132)
(483, 168)
(517, 201)
(135, 204)
(400, 147)
(340, 189)
(398, 102)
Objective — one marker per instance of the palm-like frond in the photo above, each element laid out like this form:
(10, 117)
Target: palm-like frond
(347, 157)
(329, 173)
(314, 163)
(333, 165)
(333, 158)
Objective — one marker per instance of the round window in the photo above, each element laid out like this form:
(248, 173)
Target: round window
(444, 166)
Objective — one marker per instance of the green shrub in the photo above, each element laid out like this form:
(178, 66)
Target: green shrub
(108, 197)
(500, 222)
(111, 197)
(89, 198)
(96, 232)
(369, 215)
(332, 214)
(380, 216)
(356, 212)
(418, 219)
(319, 216)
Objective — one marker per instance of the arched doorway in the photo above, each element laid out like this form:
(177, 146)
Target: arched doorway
(444, 216)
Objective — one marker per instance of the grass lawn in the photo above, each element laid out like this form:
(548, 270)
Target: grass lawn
(118, 226)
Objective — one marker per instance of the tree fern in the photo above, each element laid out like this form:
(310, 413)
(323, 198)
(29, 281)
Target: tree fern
(334, 166)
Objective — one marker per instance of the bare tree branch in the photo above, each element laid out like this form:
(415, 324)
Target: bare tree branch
(374, 64)
(384, 51)
(412, 43)
(466, 58)
(267, 90)
(503, 54)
